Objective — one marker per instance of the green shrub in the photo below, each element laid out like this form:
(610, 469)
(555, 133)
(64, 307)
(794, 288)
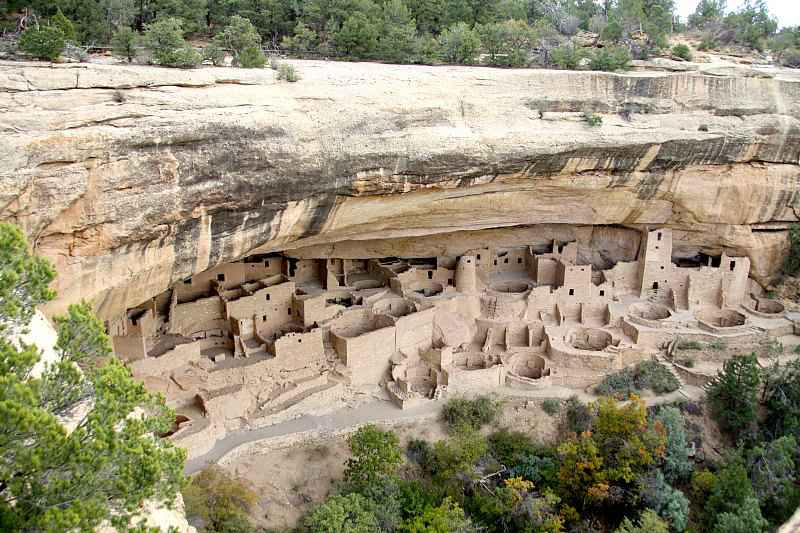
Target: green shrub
(287, 72)
(455, 458)
(420, 452)
(351, 513)
(733, 395)
(648, 374)
(790, 58)
(649, 522)
(164, 39)
(551, 406)
(775, 348)
(677, 465)
(251, 57)
(576, 417)
(214, 53)
(668, 502)
(65, 25)
(45, 42)
(475, 413)
(688, 362)
(791, 264)
(682, 51)
(459, 44)
(708, 43)
(567, 56)
(593, 119)
(506, 446)
(123, 43)
(611, 59)
(689, 345)
(796, 349)
(220, 501)
(375, 453)
(656, 377)
(717, 345)
(702, 484)
(185, 57)
(612, 31)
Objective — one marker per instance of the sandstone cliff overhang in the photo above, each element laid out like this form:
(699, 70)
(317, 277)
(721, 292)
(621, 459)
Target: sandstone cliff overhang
(130, 177)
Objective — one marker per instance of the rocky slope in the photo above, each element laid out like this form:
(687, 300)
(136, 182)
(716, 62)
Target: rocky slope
(130, 178)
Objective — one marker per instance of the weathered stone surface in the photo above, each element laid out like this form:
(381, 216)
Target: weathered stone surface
(130, 178)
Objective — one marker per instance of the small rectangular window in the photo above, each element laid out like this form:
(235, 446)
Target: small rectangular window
(264, 318)
(505, 260)
(733, 265)
(267, 296)
(290, 311)
(572, 292)
(430, 274)
(519, 260)
(220, 277)
(658, 235)
(479, 257)
(602, 293)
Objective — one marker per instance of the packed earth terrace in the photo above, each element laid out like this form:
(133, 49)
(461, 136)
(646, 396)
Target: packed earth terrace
(254, 342)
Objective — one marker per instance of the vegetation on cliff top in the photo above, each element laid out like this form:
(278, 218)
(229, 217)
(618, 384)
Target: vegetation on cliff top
(514, 33)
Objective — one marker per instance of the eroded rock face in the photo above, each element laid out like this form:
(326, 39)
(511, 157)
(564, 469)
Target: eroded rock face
(130, 178)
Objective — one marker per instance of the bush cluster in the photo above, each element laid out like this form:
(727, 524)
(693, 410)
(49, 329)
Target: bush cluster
(649, 374)
(470, 413)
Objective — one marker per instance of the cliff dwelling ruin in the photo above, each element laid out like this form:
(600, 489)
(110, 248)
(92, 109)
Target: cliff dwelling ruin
(253, 342)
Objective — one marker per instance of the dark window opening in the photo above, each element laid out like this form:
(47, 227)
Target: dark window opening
(505, 260)
(264, 318)
(268, 296)
(299, 340)
(220, 277)
(519, 260)
(655, 285)
(733, 265)
(662, 268)
(479, 257)
(266, 263)
(658, 235)
(572, 292)
(187, 281)
(495, 262)
(290, 311)
(430, 274)
(449, 281)
(292, 266)
(602, 293)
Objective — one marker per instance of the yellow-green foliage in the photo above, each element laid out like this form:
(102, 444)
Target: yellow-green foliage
(218, 499)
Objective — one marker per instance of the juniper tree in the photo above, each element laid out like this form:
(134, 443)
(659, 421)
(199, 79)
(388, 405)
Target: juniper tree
(57, 479)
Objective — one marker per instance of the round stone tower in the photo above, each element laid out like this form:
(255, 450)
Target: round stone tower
(466, 276)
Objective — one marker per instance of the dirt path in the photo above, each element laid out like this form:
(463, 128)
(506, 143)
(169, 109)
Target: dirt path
(384, 411)
(377, 411)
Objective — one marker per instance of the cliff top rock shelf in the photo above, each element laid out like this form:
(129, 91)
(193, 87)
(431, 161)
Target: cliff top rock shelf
(132, 178)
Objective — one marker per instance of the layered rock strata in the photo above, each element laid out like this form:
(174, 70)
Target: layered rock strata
(129, 178)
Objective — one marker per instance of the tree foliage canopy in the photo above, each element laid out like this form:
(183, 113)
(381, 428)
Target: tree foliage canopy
(78, 440)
